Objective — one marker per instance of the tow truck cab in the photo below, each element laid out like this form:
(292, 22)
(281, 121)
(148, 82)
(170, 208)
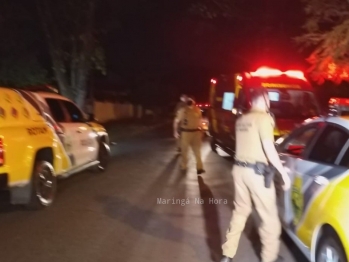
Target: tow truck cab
(292, 100)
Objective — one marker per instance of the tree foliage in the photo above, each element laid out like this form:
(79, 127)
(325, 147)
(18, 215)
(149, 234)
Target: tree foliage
(327, 34)
(70, 29)
(214, 8)
(22, 71)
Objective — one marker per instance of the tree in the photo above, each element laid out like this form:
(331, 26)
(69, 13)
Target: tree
(327, 35)
(22, 71)
(70, 29)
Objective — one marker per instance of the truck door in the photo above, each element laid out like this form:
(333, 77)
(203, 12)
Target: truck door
(228, 121)
(84, 137)
(70, 140)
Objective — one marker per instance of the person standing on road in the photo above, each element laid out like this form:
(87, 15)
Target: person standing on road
(181, 104)
(255, 144)
(189, 120)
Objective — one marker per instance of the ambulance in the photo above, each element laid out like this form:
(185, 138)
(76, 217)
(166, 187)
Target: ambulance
(292, 100)
(45, 136)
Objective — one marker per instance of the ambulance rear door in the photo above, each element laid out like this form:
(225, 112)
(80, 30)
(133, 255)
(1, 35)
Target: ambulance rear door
(222, 120)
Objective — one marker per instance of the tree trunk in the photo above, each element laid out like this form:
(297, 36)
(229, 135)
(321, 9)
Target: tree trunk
(60, 74)
(71, 55)
(80, 88)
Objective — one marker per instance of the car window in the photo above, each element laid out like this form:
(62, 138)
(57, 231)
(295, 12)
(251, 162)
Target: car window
(56, 110)
(75, 113)
(329, 146)
(298, 143)
(345, 160)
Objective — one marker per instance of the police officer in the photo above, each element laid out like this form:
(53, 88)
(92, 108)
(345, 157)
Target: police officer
(255, 143)
(189, 119)
(181, 104)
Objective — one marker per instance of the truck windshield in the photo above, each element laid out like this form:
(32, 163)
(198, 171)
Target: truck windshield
(293, 104)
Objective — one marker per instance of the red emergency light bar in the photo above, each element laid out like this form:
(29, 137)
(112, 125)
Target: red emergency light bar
(271, 72)
(203, 105)
(339, 101)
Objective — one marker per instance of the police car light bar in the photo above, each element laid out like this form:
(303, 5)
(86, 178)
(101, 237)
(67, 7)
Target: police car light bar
(271, 72)
(339, 101)
(338, 106)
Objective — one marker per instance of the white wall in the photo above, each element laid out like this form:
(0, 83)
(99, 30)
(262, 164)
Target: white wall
(108, 111)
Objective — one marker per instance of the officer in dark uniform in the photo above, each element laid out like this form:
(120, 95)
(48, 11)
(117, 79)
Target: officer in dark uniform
(255, 147)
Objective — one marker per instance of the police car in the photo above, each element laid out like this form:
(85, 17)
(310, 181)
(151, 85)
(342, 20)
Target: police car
(45, 136)
(83, 139)
(315, 211)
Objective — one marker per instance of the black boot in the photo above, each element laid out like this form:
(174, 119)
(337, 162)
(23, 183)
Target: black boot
(226, 259)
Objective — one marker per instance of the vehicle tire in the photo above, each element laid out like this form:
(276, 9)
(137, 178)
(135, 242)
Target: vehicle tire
(103, 157)
(213, 144)
(330, 246)
(43, 186)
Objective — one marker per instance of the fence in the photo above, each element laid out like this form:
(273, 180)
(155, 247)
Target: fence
(108, 111)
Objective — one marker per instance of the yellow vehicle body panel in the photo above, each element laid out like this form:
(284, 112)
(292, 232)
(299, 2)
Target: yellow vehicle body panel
(330, 207)
(24, 132)
(97, 127)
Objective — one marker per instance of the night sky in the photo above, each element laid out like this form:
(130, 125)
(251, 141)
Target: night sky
(161, 43)
(163, 40)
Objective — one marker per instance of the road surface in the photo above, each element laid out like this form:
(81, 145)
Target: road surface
(142, 209)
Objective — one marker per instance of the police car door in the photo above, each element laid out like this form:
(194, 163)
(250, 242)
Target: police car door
(69, 138)
(86, 145)
(292, 151)
(320, 162)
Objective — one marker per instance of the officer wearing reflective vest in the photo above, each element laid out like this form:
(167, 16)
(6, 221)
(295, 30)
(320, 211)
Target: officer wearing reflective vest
(255, 151)
(181, 104)
(189, 119)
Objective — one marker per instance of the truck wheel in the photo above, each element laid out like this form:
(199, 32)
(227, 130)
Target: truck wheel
(330, 249)
(103, 157)
(43, 185)
(213, 144)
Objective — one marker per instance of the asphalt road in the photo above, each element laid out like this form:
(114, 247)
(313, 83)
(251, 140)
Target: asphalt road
(116, 216)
